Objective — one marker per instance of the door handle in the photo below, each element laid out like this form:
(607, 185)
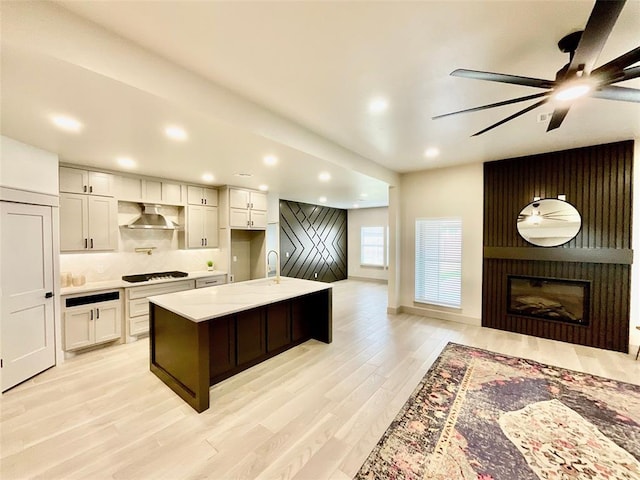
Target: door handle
(48, 295)
(91, 189)
(205, 242)
(86, 243)
(84, 187)
(97, 313)
(92, 243)
(91, 315)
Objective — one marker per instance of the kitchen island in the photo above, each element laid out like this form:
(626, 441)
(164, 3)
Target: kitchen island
(200, 337)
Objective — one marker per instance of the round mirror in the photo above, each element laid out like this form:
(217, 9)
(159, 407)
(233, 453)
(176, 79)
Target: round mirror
(549, 222)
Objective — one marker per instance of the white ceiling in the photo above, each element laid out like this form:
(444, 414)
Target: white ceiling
(294, 79)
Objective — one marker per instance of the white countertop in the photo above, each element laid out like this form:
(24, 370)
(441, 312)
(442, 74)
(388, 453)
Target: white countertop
(113, 284)
(211, 302)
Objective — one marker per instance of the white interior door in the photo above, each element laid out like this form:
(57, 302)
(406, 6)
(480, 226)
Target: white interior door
(26, 292)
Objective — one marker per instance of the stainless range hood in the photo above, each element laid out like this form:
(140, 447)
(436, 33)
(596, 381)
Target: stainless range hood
(151, 218)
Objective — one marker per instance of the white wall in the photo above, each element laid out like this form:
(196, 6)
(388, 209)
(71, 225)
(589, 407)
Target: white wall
(27, 168)
(446, 192)
(356, 219)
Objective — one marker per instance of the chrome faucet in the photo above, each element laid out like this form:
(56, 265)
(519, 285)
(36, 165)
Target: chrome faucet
(277, 264)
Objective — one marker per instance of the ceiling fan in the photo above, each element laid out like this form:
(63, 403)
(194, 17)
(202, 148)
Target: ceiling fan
(577, 78)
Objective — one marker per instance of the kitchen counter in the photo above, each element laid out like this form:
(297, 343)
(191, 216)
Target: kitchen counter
(213, 302)
(200, 337)
(112, 284)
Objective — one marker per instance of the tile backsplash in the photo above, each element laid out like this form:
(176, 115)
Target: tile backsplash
(165, 256)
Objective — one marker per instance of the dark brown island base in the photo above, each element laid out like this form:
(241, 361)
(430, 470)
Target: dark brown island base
(200, 337)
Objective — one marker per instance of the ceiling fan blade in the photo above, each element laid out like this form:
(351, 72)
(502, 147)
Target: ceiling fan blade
(503, 78)
(492, 105)
(601, 21)
(612, 69)
(622, 94)
(511, 117)
(630, 73)
(557, 117)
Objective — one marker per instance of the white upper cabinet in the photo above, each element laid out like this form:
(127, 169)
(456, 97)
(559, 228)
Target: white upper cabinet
(141, 190)
(75, 180)
(88, 223)
(172, 193)
(202, 196)
(202, 226)
(247, 209)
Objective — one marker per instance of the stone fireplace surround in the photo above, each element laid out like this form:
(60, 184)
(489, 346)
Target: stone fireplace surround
(597, 180)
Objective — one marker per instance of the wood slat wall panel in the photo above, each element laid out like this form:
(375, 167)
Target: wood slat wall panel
(315, 237)
(597, 180)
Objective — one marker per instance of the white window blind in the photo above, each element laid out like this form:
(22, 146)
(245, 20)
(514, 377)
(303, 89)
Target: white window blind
(372, 246)
(439, 261)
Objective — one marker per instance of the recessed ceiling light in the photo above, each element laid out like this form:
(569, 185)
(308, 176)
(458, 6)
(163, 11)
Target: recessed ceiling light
(66, 123)
(175, 133)
(264, 188)
(431, 152)
(270, 159)
(207, 177)
(126, 162)
(322, 199)
(324, 176)
(378, 105)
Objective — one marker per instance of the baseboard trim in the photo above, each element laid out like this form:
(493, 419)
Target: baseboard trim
(440, 315)
(367, 279)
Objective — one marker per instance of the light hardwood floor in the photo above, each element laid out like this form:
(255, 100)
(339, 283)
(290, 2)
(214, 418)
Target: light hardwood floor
(314, 412)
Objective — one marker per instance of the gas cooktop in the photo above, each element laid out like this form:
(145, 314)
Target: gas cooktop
(145, 277)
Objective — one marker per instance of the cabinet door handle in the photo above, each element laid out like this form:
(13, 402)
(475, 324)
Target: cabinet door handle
(248, 223)
(48, 295)
(251, 205)
(84, 188)
(205, 201)
(92, 243)
(86, 243)
(252, 223)
(205, 242)
(91, 315)
(97, 313)
(91, 189)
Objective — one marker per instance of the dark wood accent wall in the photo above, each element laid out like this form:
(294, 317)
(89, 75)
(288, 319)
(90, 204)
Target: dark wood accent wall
(597, 180)
(315, 239)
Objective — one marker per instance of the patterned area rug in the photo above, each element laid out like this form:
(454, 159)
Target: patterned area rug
(484, 416)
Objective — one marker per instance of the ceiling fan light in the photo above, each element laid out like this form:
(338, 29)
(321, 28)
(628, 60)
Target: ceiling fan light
(571, 92)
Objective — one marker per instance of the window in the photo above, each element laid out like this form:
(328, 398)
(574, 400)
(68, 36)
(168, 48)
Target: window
(372, 246)
(439, 261)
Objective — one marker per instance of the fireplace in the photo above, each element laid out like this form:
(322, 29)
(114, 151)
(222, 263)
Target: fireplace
(553, 299)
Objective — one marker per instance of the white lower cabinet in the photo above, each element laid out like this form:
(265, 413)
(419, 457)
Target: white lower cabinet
(137, 305)
(90, 321)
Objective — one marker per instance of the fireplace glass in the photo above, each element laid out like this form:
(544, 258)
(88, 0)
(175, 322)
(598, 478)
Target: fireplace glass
(549, 298)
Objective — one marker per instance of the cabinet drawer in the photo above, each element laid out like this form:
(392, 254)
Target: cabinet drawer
(159, 289)
(139, 325)
(210, 281)
(138, 307)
